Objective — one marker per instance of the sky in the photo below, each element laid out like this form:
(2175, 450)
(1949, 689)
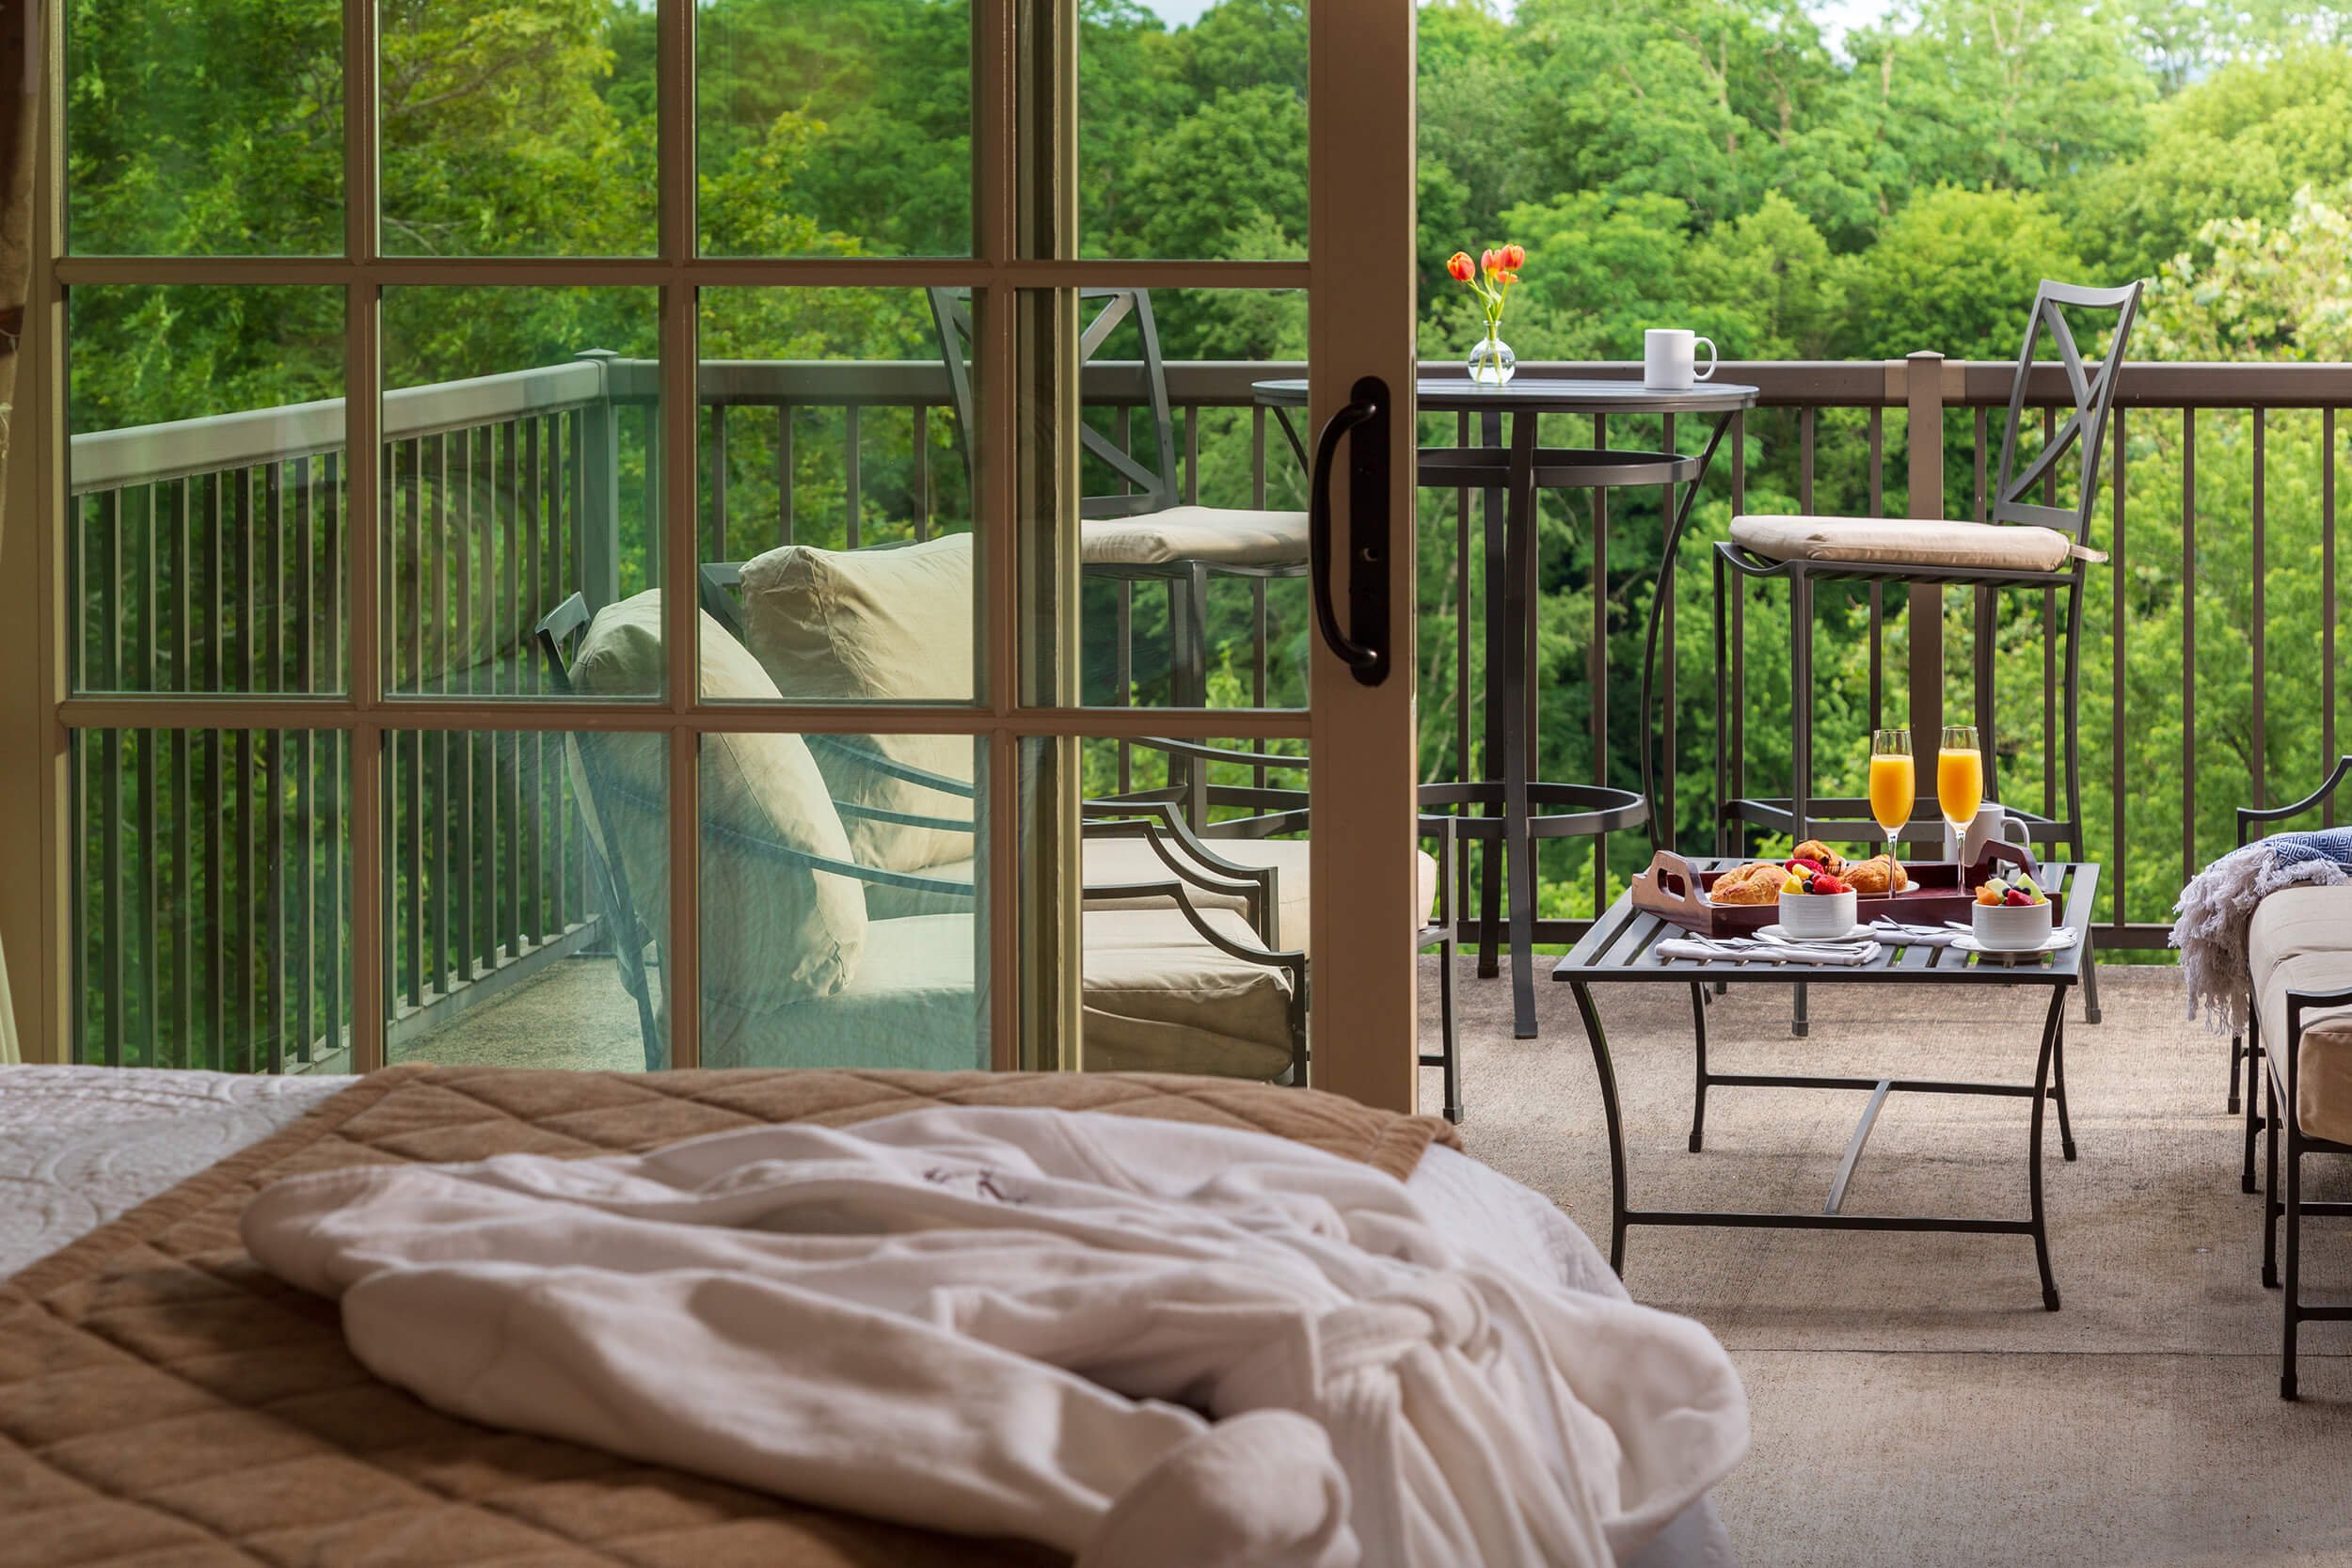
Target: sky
(1837, 15)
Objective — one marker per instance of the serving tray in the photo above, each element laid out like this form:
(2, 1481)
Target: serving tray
(1673, 891)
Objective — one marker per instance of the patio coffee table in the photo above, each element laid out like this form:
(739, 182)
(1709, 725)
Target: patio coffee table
(1621, 946)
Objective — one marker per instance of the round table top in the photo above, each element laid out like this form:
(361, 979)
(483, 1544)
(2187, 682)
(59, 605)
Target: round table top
(1457, 394)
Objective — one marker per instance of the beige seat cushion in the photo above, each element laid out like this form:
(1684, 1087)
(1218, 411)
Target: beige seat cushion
(2323, 1088)
(1898, 541)
(878, 626)
(1217, 535)
(2294, 921)
(1131, 860)
(790, 931)
(1156, 998)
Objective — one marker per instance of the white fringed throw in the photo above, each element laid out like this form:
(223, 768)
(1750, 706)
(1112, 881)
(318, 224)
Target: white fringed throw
(2217, 906)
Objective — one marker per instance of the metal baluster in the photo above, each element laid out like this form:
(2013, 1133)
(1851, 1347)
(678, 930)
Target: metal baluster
(1597, 673)
(717, 546)
(853, 477)
(784, 475)
(306, 769)
(2189, 644)
(2261, 772)
(2327, 602)
(1878, 591)
(2115, 794)
(274, 599)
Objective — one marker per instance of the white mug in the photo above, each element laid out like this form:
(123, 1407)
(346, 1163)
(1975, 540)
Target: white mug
(1991, 825)
(1667, 356)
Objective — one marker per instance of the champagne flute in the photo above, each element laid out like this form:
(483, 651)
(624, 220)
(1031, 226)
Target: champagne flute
(1959, 780)
(1893, 791)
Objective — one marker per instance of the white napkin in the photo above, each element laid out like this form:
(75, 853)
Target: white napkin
(1764, 950)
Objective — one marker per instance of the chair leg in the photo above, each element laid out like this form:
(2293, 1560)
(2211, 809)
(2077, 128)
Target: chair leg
(2237, 1054)
(2090, 979)
(2270, 1186)
(2074, 726)
(2290, 1302)
(2253, 1067)
(1449, 1036)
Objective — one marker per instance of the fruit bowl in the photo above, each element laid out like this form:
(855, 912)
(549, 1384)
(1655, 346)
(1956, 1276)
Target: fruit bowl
(2010, 916)
(1815, 915)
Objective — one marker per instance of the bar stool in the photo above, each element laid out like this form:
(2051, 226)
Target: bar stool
(1519, 809)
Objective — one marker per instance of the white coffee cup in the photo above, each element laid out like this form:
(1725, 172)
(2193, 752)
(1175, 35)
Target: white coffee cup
(1668, 356)
(1991, 825)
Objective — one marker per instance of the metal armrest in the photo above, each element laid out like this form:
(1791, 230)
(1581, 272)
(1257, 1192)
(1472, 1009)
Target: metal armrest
(2249, 815)
(1158, 821)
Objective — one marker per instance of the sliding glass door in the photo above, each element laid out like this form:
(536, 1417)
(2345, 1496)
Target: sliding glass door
(732, 533)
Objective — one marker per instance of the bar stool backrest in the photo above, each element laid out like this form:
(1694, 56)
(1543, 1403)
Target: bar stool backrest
(2094, 392)
(1151, 484)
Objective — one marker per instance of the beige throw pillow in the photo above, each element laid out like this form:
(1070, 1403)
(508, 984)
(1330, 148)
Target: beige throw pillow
(875, 626)
(779, 930)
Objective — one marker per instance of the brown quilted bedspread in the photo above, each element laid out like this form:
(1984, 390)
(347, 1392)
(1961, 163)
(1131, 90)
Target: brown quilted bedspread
(166, 1403)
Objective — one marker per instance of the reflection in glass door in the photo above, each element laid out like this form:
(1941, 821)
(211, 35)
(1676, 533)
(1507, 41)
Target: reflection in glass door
(758, 534)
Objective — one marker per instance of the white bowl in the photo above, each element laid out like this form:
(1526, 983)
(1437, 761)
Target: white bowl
(2010, 928)
(1817, 914)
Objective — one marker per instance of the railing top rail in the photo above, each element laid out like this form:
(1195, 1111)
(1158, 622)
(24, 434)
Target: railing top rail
(154, 453)
(145, 454)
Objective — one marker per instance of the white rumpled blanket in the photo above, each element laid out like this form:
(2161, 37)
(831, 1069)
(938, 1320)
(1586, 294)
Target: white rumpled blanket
(1139, 1341)
(2210, 921)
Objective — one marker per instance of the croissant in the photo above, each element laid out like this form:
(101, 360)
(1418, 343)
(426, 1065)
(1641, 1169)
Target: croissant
(1820, 854)
(1878, 875)
(1756, 882)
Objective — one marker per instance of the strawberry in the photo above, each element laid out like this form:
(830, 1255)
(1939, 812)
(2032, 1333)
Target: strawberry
(1801, 863)
(1827, 883)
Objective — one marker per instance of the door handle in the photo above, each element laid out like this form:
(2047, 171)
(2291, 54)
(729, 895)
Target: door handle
(1362, 645)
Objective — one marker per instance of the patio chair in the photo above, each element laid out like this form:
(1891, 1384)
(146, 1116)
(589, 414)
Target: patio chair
(800, 972)
(1145, 532)
(2028, 544)
(2299, 952)
(893, 623)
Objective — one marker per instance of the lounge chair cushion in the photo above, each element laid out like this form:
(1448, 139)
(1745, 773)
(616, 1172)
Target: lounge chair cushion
(1131, 860)
(1156, 998)
(2323, 1089)
(2294, 921)
(1901, 541)
(790, 931)
(875, 626)
(1218, 535)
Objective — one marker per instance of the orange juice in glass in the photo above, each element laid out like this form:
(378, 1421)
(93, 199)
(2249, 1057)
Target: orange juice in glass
(1894, 786)
(1960, 776)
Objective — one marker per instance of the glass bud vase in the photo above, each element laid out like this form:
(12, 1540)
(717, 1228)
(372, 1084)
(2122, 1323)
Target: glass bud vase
(1492, 363)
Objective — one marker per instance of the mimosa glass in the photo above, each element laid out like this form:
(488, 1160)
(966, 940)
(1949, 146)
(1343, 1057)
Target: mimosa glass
(1960, 778)
(1894, 789)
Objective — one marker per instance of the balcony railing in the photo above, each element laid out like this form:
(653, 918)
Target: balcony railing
(503, 493)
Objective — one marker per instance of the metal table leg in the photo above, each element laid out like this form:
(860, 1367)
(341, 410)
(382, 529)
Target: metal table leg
(1608, 1074)
(1492, 854)
(1698, 1098)
(1518, 839)
(2050, 1031)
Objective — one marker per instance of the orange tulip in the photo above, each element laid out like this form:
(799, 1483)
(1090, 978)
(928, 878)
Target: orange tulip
(1460, 267)
(1514, 258)
(1490, 261)
(1506, 277)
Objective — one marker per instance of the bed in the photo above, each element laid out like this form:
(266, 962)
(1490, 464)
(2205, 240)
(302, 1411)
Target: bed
(164, 1401)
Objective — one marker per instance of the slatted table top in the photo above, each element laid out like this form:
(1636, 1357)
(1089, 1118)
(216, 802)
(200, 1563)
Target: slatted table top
(1622, 946)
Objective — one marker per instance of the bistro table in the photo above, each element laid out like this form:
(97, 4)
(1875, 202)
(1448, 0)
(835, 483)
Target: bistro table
(1509, 477)
(1621, 946)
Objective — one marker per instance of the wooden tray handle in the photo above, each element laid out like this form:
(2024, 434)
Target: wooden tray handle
(1670, 883)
